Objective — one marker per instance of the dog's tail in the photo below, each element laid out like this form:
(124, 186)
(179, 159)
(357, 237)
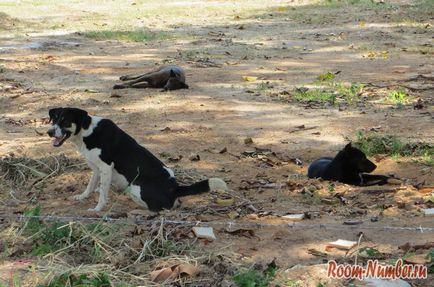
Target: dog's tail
(211, 184)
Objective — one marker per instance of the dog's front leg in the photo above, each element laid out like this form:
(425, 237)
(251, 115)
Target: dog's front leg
(94, 180)
(104, 186)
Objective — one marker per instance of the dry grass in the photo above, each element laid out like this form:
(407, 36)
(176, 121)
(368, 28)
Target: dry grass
(124, 254)
(20, 171)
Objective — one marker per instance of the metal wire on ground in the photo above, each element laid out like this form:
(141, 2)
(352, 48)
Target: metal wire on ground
(230, 224)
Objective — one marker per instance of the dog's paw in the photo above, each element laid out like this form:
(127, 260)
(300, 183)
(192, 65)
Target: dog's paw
(96, 209)
(80, 197)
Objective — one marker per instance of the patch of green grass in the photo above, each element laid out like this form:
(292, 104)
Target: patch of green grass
(291, 283)
(344, 92)
(314, 95)
(372, 144)
(98, 280)
(427, 160)
(328, 76)
(331, 189)
(312, 197)
(33, 225)
(140, 35)
(406, 255)
(398, 96)
(51, 236)
(351, 93)
(430, 255)
(254, 278)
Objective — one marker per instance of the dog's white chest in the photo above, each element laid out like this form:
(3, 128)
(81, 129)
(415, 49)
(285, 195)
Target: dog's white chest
(92, 156)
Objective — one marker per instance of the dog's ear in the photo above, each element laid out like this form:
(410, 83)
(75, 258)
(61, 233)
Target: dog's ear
(54, 113)
(82, 119)
(172, 73)
(348, 148)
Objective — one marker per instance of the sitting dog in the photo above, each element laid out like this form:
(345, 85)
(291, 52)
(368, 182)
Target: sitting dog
(348, 166)
(170, 77)
(116, 158)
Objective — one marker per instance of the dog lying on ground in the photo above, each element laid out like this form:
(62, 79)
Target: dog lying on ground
(116, 158)
(349, 166)
(170, 77)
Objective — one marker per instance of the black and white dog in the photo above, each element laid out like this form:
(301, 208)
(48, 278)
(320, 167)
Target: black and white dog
(116, 158)
(349, 166)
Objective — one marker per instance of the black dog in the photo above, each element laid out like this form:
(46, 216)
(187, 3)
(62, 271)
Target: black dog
(116, 158)
(348, 166)
(170, 77)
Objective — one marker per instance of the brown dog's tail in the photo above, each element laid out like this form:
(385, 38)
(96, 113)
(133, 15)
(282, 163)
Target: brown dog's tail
(206, 185)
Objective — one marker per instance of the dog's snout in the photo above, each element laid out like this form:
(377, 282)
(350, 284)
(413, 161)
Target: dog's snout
(51, 132)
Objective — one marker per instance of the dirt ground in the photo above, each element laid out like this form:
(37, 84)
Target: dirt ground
(46, 61)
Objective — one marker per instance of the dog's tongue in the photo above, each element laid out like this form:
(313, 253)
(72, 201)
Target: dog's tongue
(57, 141)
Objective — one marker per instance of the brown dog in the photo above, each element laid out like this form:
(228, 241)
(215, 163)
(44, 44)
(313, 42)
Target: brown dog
(170, 77)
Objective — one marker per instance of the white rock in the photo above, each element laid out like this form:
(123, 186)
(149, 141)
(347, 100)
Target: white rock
(204, 232)
(294, 217)
(428, 211)
(342, 244)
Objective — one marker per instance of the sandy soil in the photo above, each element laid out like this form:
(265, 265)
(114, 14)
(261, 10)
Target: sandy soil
(288, 50)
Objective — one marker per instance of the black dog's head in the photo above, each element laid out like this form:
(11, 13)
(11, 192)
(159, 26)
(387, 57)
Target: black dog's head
(357, 159)
(66, 122)
(175, 82)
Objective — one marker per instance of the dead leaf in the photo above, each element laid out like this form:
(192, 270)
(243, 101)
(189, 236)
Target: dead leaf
(315, 252)
(173, 272)
(115, 95)
(410, 247)
(353, 222)
(420, 259)
(233, 214)
(249, 78)
(218, 151)
(90, 91)
(175, 159)
(232, 63)
(225, 202)
(194, 157)
(426, 190)
(249, 233)
(223, 150)
(248, 141)
(39, 133)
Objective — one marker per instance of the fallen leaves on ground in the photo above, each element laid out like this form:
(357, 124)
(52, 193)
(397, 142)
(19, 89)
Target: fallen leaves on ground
(173, 272)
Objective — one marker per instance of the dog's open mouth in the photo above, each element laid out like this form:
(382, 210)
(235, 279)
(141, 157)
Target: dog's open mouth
(58, 141)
